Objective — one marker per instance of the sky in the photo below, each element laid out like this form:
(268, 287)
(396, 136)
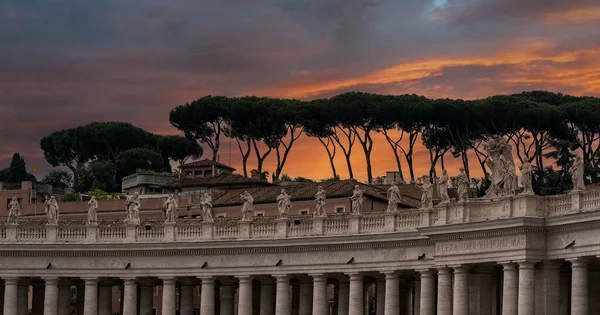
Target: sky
(65, 63)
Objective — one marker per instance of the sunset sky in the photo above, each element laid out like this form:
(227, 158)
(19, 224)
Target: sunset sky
(69, 62)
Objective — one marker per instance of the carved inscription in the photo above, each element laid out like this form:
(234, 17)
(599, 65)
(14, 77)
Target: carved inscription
(483, 245)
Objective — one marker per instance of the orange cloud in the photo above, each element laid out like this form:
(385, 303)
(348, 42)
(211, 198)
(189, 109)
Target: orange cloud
(573, 16)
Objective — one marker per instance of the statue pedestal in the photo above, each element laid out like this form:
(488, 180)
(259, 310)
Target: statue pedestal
(390, 222)
(91, 235)
(354, 227)
(576, 200)
(425, 215)
(244, 229)
(208, 230)
(11, 231)
(131, 232)
(51, 232)
(282, 227)
(442, 211)
(169, 232)
(318, 227)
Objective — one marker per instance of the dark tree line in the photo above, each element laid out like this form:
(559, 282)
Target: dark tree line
(540, 125)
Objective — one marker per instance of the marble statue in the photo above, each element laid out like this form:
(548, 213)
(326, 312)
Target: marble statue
(247, 206)
(463, 185)
(320, 197)
(442, 186)
(427, 196)
(133, 209)
(577, 174)
(170, 207)
(357, 200)
(284, 203)
(14, 211)
(207, 212)
(92, 215)
(501, 163)
(526, 172)
(393, 195)
(51, 210)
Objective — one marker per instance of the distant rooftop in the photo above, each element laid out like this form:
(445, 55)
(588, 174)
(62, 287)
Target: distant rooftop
(205, 163)
(223, 179)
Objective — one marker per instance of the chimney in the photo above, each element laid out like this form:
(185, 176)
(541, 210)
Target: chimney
(254, 174)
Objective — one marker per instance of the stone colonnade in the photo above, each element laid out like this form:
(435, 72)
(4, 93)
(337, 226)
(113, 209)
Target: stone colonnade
(510, 288)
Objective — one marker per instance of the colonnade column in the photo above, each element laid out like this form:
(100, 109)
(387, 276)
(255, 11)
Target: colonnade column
(207, 300)
(23, 298)
(282, 298)
(169, 304)
(551, 288)
(392, 294)
(526, 304)
(187, 297)
(104, 299)
(343, 296)
(130, 297)
(380, 291)
(267, 297)
(427, 294)
(227, 296)
(510, 289)
(91, 297)
(64, 297)
(319, 305)
(461, 291)
(51, 296)
(306, 297)
(579, 287)
(444, 299)
(356, 298)
(10, 295)
(245, 295)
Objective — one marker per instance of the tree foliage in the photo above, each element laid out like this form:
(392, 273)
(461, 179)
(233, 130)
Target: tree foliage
(58, 179)
(16, 172)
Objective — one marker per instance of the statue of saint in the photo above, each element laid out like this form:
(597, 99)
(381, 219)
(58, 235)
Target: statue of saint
(14, 210)
(502, 164)
(427, 196)
(206, 203)
(357, 200)
(247, 206)
(170, 207)
(320, 197)
(393, 195)
(442, 186)
(52, 210)
(463, 185)
(526, 172)
(577, 174)
(92, 215)
(133, 209)
(284, 203)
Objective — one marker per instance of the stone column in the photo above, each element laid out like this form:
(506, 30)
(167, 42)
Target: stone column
(380, 288)
(319, 305)
(104, 299)
(64, 297)
(461, 291)
(22, 298)
(444, 298)
(10, 295)
(356, 298)
(427, 294)
(245, 295)
(146, 297)
(267, 297)
(392, 294)
(526, 299)
(282, 302)
(227, 296)
(551, 288)
(51, 296)
(91, 297)
(510, 289)
(579, 287)
(129, 297)
(207, 300)
(187, 297)
(169, 303)
(343, 296)
(306, 297)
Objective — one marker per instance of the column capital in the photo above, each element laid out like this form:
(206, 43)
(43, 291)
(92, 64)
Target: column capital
(444, 271)
(509, 265)
(458, 269)
(51, 280)
(580, 262)
(526, 265)
(10, 280)
(129, 281)
(319, 277)
(207, 279)
(168, 280)
(90, 281)
(355, 276)
(390, 275)
(282, 278)
(244, 279)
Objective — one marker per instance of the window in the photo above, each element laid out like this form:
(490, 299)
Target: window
(259, 213)
(189, 174)
(340, 209)
(304, 211)
(208, 173)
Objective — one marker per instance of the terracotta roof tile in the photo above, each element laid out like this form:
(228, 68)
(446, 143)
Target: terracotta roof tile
(206, 162)
(222, 179)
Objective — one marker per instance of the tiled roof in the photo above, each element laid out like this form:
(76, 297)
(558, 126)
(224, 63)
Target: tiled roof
(222, 179)
(413, 192)
(206, 162)
(305, 191)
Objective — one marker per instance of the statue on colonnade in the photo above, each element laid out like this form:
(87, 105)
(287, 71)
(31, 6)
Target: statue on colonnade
(14, 210)
(284, 203)
(207, 204)
(427, 196)
(133, 209)
(320, 198)
(393, 195)
(92, 216)
(577, 174)
(51, 210)
(442, 186)
(170, 207)
(357, 200)
(247, 206)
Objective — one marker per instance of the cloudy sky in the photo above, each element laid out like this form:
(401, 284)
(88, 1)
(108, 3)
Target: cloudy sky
(70, 62)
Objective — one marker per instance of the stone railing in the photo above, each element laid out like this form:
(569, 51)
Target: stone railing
(406, 220)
